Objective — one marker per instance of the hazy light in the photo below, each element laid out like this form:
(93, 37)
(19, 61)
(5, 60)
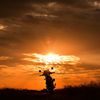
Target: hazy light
(5, 58)
(1, 27)
(96, 4)
(58, 62)
(52, 59)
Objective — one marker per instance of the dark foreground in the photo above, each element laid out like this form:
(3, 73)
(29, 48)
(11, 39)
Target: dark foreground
(82, 92)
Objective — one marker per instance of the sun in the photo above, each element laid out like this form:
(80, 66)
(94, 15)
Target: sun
(55, 59)
(51, 58)
(58, 62)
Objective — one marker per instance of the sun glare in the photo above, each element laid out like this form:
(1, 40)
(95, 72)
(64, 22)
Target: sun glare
(53, 59)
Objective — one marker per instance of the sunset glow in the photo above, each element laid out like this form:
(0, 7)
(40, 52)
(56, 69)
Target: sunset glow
(53, 59)
(59, 35)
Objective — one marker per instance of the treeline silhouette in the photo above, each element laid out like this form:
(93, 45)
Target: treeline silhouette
(85, 91)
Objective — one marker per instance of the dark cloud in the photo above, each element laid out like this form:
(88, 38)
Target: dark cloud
(17, 8)
(89, 66)
(72, 26)
(98, 10)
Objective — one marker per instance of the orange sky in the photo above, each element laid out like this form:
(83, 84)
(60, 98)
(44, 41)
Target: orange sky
(27, 76)
(62, 27)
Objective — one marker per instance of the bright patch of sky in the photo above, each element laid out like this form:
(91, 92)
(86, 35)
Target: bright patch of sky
(5, 58)
(2, 27)
(96, 3)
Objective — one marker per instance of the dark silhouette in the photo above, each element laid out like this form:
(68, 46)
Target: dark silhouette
(49, 81)
(89, 91)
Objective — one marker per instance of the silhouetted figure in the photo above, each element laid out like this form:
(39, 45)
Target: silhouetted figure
(49, 81)
(47, 73)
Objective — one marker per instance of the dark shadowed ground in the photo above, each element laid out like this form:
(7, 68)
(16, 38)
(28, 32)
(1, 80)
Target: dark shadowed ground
(82, 92)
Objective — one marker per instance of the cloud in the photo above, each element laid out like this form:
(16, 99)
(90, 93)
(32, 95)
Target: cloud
(5, 58)
(64, 27)
(52, 59)
(96, 4)
(2, 27)
(3, 66)
(72, 25)
(19, 8)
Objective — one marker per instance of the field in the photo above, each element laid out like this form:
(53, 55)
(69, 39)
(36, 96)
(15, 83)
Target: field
(89, 91)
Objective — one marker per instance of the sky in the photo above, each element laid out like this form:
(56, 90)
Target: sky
(62, 27)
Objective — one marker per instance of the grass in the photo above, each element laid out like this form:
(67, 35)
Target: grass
(89, 91)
